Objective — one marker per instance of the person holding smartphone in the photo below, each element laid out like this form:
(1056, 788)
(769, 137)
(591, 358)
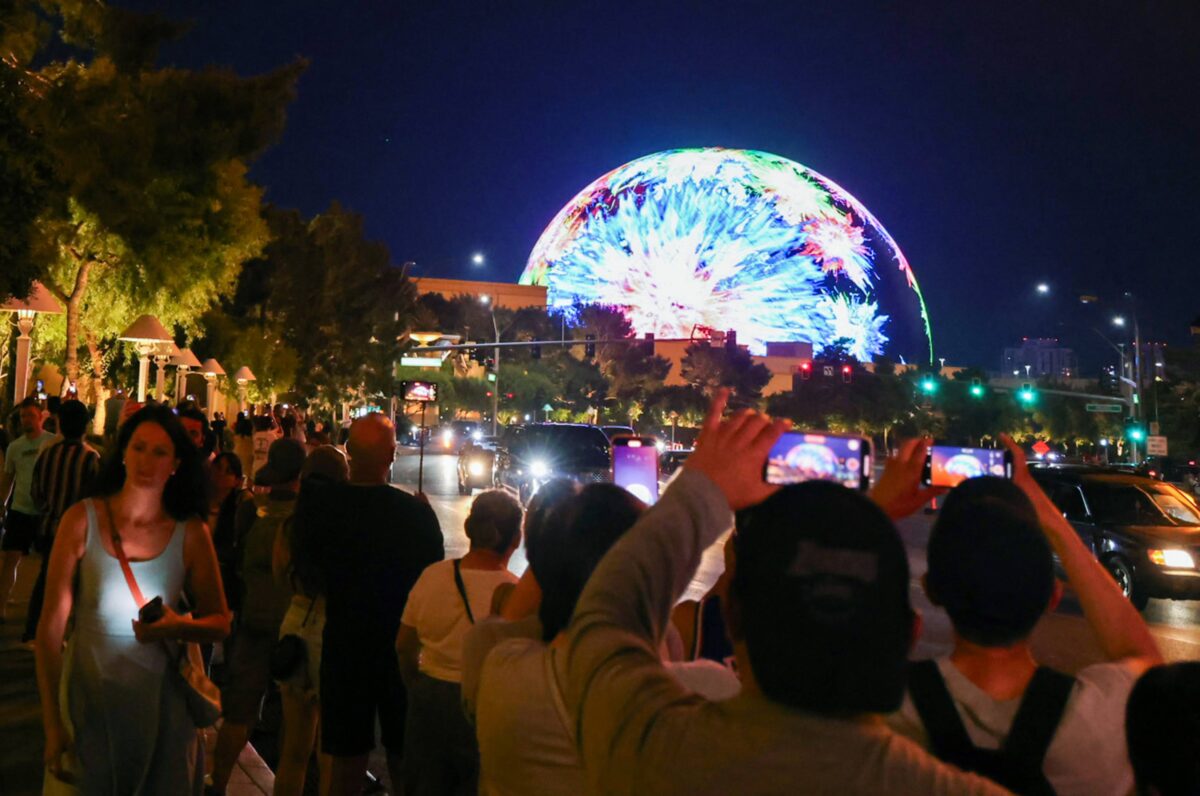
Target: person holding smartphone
(115, 717)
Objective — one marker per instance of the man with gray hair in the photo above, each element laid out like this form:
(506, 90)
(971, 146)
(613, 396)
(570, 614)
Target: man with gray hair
(373, 540)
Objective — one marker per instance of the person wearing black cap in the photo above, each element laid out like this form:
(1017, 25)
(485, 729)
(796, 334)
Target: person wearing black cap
(989, 706)
(819, 614)
(265, 602)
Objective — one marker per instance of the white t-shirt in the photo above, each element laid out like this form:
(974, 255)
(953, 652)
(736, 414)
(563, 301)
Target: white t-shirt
(1087, 755)
(435, 610)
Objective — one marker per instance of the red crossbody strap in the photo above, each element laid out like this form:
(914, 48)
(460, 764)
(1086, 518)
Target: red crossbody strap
(120, 551)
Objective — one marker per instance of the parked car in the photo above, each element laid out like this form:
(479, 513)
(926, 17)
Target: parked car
(528, 456)
(618, 431)
(1145, 532)
(1181, 471)
(477, 464)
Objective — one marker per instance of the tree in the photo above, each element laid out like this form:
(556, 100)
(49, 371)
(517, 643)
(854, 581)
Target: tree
(24, 176)
(150, 209)
(707, 367)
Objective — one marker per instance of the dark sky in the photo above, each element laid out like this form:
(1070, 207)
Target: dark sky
(1001, 143)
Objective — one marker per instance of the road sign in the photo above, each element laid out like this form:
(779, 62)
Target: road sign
(1156, 446)
(1041, 447)
(1114, 409)
(1154, 429)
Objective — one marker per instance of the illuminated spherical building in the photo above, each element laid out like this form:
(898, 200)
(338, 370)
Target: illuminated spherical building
(734, 239)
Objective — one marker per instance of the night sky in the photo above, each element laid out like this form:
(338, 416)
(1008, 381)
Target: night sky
(1001, 144)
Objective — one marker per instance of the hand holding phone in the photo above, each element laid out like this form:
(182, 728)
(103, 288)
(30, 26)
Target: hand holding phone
(151, 612)
(950, 465)
(800, 456)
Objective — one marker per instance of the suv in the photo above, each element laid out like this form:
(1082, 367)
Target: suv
(1145, 533)
(530, 455)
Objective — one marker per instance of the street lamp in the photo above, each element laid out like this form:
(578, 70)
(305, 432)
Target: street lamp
(1119, 320)
(477, 258)
(38, 300)
(243, 375)
(182, 361)
(1043, 288)
(162, 355)
(147, 334)
(211, 370)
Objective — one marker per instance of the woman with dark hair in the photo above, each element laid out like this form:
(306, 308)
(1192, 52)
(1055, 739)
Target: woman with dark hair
(440, 754)
(114, 712)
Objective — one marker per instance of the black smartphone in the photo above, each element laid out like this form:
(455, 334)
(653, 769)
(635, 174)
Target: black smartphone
(151, 612)
(950, 465)
(801, 456)
(635, 466)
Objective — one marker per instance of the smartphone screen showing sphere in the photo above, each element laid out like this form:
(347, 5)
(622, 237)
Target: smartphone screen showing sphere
(950, 465)
(801, 456)
(635, 467)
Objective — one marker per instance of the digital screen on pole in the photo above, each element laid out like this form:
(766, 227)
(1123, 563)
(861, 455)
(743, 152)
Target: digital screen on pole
(423, 391)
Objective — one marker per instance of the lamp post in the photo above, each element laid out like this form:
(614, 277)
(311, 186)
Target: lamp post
(211, 370)
(148, 336)
(38, 300)
(243, 375)
(182, 361)
(162, 355)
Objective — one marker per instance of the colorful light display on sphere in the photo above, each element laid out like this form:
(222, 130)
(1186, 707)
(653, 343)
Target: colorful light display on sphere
(734, 239)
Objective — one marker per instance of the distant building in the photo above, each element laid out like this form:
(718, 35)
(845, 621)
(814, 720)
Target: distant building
(502, 294)
(1040, 358)
(1154, 362)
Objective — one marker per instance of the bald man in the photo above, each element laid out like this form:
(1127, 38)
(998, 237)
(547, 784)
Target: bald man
(374, 541)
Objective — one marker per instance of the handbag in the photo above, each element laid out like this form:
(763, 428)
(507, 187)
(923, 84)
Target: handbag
(201, 695)
(290, 652)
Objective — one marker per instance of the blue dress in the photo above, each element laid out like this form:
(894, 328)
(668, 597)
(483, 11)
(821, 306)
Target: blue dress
(132, 733)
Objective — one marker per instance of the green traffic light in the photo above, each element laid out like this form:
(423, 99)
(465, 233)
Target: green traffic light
(928, 385)
(977, 390)
(1027, 396)
(1136, 434)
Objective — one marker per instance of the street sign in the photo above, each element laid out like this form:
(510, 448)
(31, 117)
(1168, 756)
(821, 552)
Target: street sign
(1154, 429)
(1040, 447)
(1113, 409)
(1156, 446)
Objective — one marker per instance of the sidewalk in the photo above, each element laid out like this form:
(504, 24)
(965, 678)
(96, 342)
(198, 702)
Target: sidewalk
(21, 721)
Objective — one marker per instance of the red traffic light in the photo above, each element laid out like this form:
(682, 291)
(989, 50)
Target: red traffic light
(489, 394)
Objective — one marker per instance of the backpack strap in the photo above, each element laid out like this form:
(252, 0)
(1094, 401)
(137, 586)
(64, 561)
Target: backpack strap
(462, 589)
(948, 739)
(1039, 715)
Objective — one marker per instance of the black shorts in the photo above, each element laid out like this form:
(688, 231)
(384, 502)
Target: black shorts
(356, 686)
(249, 674)
(20, 531)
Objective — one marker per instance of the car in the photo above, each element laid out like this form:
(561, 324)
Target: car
(618, 431)
(452, 436)
(530, 455)
(1183, 472)
(477, 464)
(1145, 532)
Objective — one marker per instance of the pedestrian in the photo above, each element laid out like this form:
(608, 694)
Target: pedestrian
(265, 433)
(218, 430)
(22, 522)
(115, 716)
(819, 613)
(231, 507)
(62, 476)
(293, 563)
(1030, 728)
(264, 603)
(440, 753)
(114, 407)
(195, 423)
(372, 541)
(243, 441)
(1162, 727)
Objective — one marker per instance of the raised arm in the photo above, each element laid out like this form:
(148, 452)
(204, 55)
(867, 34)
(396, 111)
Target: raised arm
(69, 544)
(1119, 628)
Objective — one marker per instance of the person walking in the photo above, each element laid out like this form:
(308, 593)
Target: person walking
(23, 520)
(62, 476)
(114, 713)
(440, 752)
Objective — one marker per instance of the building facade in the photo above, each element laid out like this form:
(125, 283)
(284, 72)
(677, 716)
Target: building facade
(1040, 358)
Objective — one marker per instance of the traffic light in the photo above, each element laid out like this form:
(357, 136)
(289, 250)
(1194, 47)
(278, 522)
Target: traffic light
(536, 352)
(929, 385)
(589, 348)
(1134, 430)
(1027, 395)
(648, 345)
(976, 388)
(847, 373)
(806, 370)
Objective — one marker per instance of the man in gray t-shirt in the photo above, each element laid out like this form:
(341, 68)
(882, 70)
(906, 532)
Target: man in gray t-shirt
(990, 567)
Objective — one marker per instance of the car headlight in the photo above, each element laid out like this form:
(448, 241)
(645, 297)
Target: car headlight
(447, 437)
(475, 467)
(539, 469)
(1172, 559)
(477, 435)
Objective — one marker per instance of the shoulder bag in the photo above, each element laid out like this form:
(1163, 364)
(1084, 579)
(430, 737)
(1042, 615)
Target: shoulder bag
(201, 695)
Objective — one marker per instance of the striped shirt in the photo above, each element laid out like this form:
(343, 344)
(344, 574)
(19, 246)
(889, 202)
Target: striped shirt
(63, 475)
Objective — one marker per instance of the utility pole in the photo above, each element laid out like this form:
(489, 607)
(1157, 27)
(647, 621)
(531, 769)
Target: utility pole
(496, 371)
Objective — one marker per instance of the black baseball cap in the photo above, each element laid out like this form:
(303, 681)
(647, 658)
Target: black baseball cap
(822, 584)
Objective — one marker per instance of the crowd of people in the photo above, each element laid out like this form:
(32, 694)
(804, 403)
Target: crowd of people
(290, 562)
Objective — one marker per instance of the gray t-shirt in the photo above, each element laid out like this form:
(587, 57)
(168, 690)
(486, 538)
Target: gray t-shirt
(18, 462)
(1087, 756)
(638, 730)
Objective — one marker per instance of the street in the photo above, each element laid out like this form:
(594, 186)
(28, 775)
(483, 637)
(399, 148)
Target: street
(1062, 639)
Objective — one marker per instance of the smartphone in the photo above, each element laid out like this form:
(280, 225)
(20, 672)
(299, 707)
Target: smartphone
(801, 456)
(635, 466)
(950, 465)
(425, 391)
(41, 386)
(151, 612)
